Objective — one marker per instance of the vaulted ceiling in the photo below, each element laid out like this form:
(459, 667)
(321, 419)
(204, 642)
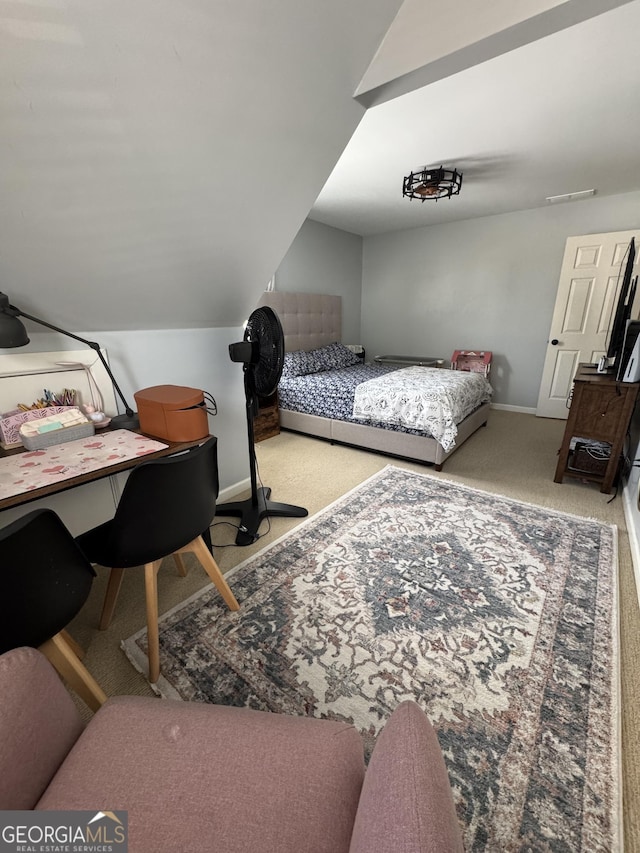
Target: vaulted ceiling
(531, 120)
(157, 158)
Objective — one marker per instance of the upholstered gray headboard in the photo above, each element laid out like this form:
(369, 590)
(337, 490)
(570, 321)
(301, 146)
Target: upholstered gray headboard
(309, 320)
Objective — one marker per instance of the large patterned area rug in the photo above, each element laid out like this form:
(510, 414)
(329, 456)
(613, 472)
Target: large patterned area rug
(498, 617)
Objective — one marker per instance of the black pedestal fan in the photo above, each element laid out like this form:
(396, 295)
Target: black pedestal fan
(262, 353)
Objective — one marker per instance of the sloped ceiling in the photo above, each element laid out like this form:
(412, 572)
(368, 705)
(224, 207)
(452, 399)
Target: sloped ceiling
(430, 41)
(157, 157)
(554, 115)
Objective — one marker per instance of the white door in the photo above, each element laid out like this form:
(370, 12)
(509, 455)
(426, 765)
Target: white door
(590, 280)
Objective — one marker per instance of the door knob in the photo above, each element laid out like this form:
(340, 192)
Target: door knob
(555, 342)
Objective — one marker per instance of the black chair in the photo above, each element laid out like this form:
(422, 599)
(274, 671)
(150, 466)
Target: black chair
(46, 579)
(166, 505)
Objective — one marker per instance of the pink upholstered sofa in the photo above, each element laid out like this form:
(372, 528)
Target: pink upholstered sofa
(215, 778)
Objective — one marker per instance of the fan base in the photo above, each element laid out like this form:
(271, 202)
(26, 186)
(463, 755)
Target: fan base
(253, 511)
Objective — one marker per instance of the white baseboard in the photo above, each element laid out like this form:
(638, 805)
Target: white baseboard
(231, 491)
(505, 407)
(627, 504)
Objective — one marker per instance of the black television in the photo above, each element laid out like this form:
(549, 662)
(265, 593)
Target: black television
(624, 306)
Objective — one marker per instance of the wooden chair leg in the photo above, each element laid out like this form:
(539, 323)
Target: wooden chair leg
(153, 635)
(210, 566)
(60, 654)
(76, 648)
(110, 598)
(180, 565)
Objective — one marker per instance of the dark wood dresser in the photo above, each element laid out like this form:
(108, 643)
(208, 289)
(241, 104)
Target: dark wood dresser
(601, 409)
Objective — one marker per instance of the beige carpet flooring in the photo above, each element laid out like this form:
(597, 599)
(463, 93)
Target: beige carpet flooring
(515, 456)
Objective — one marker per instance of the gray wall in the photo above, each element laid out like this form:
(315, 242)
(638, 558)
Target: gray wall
(326, 260)
(198, 358)
(321, 260)
(487, 283)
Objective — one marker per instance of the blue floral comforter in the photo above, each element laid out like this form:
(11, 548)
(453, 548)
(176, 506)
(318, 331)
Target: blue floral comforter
(331, 394)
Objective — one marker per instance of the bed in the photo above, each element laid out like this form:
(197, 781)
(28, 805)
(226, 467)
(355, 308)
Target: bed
(321, 403)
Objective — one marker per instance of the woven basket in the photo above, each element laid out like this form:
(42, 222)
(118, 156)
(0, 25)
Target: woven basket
(58, 436)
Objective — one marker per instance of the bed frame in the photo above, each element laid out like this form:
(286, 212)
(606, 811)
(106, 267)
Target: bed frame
(311, 320)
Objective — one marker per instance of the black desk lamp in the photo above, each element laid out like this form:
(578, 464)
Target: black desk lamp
(14, 334)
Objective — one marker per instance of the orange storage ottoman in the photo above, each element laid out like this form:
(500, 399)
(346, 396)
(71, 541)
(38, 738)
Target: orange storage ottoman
(172, 412)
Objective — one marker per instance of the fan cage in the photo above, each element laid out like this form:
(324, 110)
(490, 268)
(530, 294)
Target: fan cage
(264, 329)
(430, 183)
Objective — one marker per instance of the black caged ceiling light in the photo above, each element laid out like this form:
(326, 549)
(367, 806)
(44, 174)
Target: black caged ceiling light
(432, 183)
